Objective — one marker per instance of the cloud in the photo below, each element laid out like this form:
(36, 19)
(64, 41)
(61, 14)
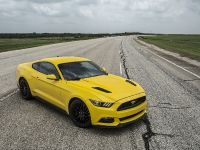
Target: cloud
(46, 9)
(163, 16)
(41, 1)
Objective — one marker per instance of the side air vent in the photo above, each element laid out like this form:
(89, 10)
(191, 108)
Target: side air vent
(131, 82)
(101, 89)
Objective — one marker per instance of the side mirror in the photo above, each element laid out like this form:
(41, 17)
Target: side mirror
(104, 69)
(52, 77)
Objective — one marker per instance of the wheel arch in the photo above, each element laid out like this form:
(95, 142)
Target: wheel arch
(20, 78)
(71, 100)
(23, 77)
(27, 79)
(76, 97)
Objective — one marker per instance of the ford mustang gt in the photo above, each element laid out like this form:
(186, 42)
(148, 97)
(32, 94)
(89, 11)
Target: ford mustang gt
(85, 91)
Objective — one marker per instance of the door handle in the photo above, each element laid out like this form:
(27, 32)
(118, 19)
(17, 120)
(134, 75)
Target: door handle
(35, 77)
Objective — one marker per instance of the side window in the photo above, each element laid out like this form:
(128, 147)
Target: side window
(46, 68)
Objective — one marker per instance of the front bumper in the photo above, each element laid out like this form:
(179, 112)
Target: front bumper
(120, 118)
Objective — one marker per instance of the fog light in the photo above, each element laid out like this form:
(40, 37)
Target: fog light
(107, 120)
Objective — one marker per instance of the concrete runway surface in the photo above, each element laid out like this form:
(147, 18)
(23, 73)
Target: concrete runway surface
(173, 115)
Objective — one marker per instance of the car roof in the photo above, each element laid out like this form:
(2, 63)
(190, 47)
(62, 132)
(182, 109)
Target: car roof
(61, 60)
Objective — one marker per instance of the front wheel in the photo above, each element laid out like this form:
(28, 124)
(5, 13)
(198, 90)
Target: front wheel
(25, 89)
(80, 114)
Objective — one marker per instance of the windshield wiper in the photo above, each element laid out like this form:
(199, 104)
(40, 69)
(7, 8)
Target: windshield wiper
(75, 79)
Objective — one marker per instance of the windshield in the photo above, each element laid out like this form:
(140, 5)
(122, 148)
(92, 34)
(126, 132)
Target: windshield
(79, 70)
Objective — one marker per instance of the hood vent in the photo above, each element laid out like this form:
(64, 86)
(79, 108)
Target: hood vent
(131, 82)
(101, 89)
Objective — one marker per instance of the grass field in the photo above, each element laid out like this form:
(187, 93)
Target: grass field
(13, 41)
(8, 44)
(185, 45)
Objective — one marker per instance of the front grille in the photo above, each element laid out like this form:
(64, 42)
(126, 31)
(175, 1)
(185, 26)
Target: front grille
(132, 103)
(131, 116)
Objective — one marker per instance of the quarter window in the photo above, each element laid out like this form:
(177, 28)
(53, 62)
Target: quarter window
(46, 68)
(36, 66)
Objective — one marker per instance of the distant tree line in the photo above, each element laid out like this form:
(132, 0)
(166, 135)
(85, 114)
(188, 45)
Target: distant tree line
(63, 35)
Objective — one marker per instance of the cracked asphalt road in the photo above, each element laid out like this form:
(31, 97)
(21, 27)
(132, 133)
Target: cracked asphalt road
(173, 116)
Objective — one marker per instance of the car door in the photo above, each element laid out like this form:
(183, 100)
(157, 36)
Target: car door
(50, 90)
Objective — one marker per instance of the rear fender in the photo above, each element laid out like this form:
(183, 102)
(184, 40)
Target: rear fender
(24, 72)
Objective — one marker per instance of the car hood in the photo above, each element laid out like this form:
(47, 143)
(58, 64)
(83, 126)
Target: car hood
(110, 86)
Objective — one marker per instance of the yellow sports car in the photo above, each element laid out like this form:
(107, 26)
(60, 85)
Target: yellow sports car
(84, 90)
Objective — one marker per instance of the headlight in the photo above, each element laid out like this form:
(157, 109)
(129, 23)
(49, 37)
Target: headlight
(101, 104)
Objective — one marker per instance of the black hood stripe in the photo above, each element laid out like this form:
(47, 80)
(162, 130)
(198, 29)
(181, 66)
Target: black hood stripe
(101, 89)
(131, 82)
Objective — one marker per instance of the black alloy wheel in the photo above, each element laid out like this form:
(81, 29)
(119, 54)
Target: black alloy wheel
(24, 89)
(80, 114)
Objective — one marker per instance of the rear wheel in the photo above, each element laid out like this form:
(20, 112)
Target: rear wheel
(80, 114)
(25, 89)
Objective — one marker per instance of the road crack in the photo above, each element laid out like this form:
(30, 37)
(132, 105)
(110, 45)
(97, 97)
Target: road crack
(149, 134)
(192, 80)
(166, 103)
(192, 90)
(169, 107)
(123, 60)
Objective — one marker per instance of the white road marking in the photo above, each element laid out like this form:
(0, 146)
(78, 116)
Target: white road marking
(10, 94)
(175, 64)
(120, 68)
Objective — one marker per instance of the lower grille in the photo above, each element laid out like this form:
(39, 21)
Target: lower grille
(132, 103)
(131, 116)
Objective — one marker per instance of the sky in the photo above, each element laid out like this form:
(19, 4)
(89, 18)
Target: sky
(100, 16)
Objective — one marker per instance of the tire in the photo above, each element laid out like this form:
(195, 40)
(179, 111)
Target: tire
(25, 89)
(80, 114)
